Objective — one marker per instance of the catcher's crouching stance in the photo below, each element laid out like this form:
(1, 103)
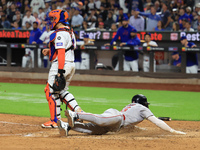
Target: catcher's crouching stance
(61, 54)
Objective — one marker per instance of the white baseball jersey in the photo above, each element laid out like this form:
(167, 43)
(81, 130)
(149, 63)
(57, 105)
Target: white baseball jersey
(150, 43)
(146, 57)
(36, 4)
(41, 16)
(45, 37)
(27, 60)
(112, 120)
(135, 113)
(31, 19)
(85, 59)
(63, 40)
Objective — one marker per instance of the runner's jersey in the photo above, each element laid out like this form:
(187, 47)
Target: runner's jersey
(135, 113)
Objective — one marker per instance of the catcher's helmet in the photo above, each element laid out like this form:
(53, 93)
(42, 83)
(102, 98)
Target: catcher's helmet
(141, 99)
(57, 16)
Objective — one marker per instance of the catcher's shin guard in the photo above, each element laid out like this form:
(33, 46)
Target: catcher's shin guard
(54, 104)
(70, 101)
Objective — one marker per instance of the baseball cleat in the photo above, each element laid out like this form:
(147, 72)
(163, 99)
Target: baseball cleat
(63, 128)
(49, 124)
(71, 116)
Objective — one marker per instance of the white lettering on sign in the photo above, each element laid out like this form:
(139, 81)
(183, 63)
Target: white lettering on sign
(191, 36)
(92, 35)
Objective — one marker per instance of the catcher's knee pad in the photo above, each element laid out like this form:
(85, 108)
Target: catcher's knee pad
(54, 104)
(70, 101)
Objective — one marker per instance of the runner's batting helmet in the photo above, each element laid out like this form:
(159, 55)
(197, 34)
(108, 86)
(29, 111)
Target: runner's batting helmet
(57, 16)
(141, 99)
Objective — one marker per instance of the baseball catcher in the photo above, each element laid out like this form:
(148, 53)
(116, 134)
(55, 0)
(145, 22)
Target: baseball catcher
(61, 54)
(112, 120)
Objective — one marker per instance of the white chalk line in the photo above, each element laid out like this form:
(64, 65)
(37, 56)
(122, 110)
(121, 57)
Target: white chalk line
(39, 98)
(24, 124)
(19, 97)
(20, 134)
(26, 134)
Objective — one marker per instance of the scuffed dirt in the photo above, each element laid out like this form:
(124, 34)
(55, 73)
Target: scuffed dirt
(24, 132)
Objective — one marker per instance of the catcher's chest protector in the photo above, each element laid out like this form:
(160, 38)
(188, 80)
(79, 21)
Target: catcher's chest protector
(53, 52)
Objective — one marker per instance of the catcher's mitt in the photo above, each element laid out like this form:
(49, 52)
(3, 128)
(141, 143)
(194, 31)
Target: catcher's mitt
(60, 82)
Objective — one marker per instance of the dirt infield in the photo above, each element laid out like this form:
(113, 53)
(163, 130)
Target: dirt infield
(24, 132)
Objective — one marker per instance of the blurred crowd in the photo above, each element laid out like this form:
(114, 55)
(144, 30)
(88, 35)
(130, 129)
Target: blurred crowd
(149, 15)
(127, 17)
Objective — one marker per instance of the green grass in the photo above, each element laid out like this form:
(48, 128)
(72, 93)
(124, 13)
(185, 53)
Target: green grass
(29, 99)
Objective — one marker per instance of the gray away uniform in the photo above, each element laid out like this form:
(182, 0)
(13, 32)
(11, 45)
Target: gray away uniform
(112, 120)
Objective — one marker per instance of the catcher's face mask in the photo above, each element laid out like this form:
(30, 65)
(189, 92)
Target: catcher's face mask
(56, 16)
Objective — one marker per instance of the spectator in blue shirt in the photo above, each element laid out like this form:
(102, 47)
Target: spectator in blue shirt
(131, 57)
(183, 24)
(191, 57)
(153, 18)
(15, 26)
(183, 16)
(189, 13)
(136, 21)
(121, 15)
(4, 22)
(159, 26)
(77, 19)
(46, 22)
